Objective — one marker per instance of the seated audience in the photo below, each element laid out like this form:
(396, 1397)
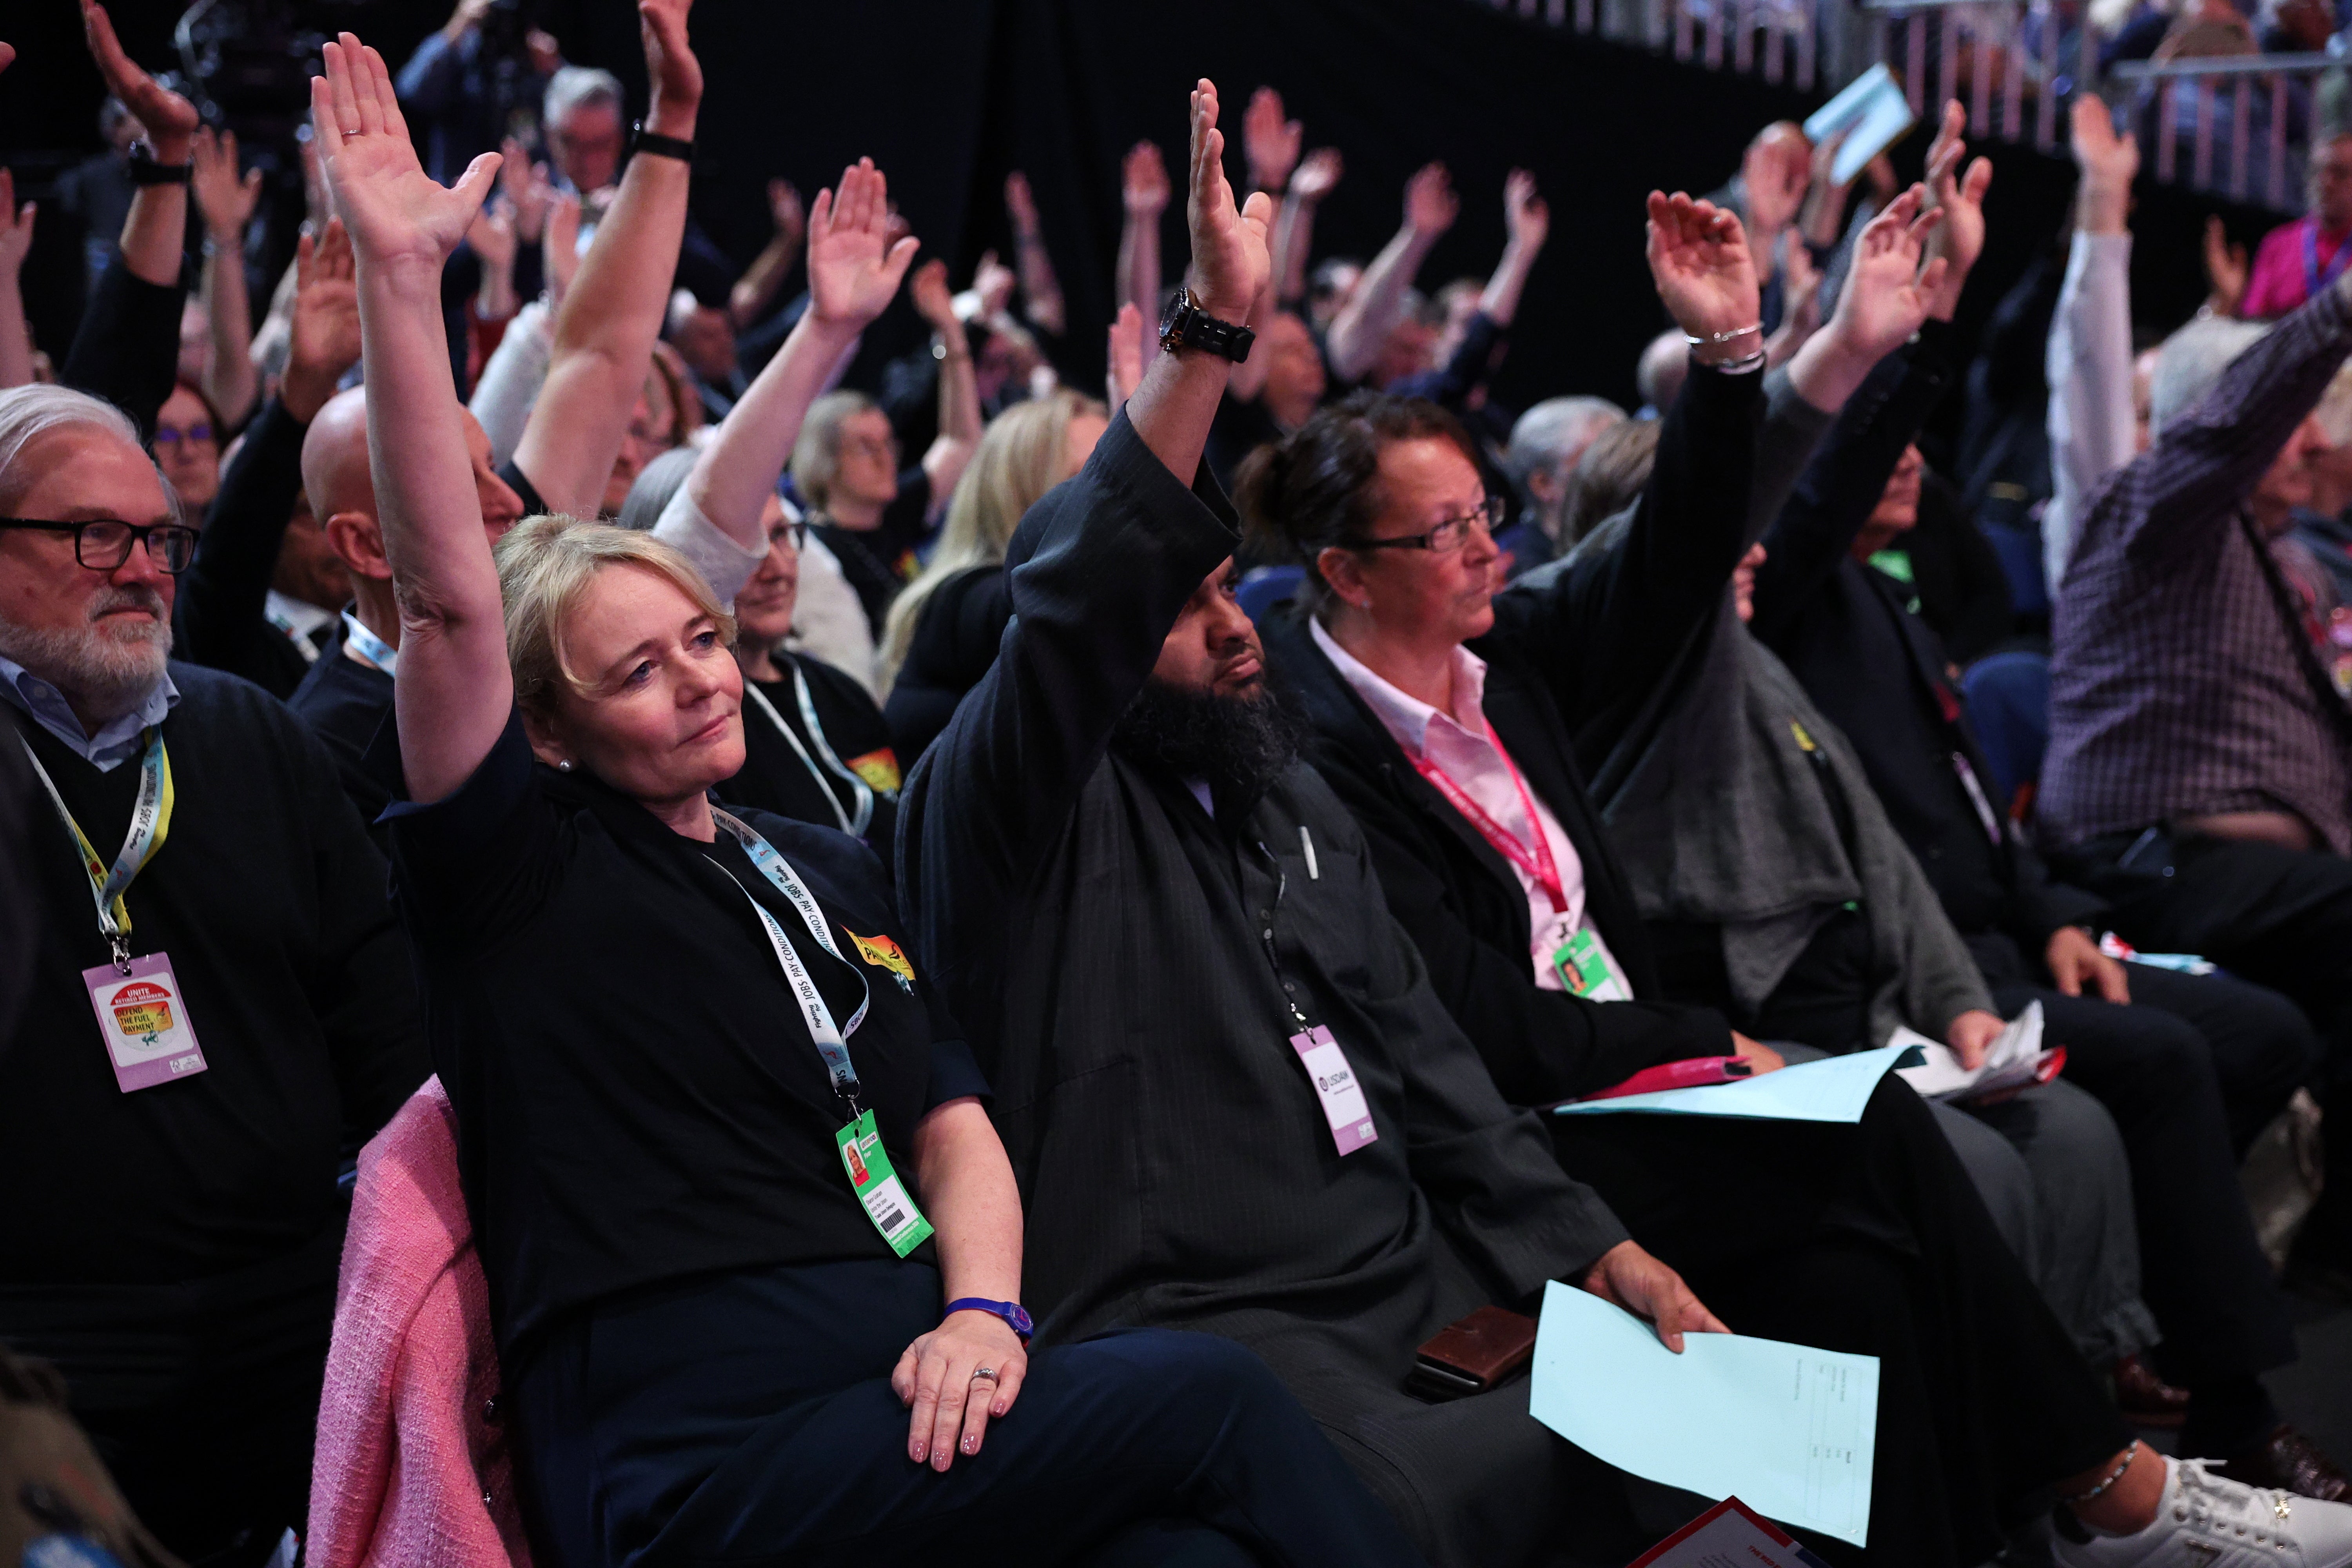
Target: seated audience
(2296, 261)
(207, 893)
(2199, 771)
(943, 632)
(1274, 391)
(868, 512)
(1540, 459)
(1376, 337)
(563, 706)
(1477, 320)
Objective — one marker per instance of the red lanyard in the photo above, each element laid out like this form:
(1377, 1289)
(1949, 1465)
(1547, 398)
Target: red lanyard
(1538, 865)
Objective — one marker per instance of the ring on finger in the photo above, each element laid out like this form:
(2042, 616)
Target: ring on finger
(987, 1371)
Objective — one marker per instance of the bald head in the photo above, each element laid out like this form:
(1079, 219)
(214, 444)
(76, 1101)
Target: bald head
(335, 458)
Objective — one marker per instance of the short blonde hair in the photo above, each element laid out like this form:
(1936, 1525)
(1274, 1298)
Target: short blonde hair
(545, 565)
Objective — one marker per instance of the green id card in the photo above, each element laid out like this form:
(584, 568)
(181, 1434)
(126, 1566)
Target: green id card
(1584, 969)
(894, 1213)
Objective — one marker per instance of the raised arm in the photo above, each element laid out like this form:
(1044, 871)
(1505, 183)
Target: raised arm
(1360, 329)
(960, 422)
(1527, 219)
(1294, 232)
(15, 241)
(1143, 197)
(764, 278)
(2089, 360)
(225, 200)
(154, 233)
(605, 328)
(1041, 291)
(456, 693)
(854, 272)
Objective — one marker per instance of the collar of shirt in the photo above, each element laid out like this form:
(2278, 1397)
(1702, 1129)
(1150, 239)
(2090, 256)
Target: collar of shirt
(117, 740)
(1407, 719)
(296, 617)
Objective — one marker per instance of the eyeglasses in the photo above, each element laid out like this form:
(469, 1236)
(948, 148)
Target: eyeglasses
(795, 531)
(1450, 535)
(104, 544)
(167, 437)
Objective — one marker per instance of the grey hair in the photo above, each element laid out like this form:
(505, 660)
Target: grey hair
(577, 86)
(1558, 429)
(2190, 363)
(1665, 364)
(816, 456)
(650, 491)
(30, 412)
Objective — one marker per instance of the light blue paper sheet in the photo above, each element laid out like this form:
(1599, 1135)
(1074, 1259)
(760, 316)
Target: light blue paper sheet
(1873, 111)
(1834, 1088)
(1787, 1427)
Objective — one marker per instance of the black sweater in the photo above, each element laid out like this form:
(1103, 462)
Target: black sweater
(775, 778)
(955, 641)
(219, 616)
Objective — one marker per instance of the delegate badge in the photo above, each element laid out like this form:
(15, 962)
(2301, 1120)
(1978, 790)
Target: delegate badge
(143, 1019)
(883, 953)
(879, 768)
(894, 1213)
(1584, 968)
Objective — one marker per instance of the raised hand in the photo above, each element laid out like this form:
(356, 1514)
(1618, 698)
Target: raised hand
(324, 340)
(784, 209)
(1143, 181)
(398, 214)
(169, 120)
(1959, 201)
(226, 199)
(927, 291)
(1776, 169)
(561, 247)
(670, 65)
(2109, 162)
(2226, 272)
(15, 222)
(527, 190)
(491, 235)
(1020, 204)
(1319, 175)
(994, 282)
(1430, 205)
(1525, 217)
(1887, 295)
(853, 267)
(1700, 261)
(1269, 143)
(1230, 262)
(1125, 357)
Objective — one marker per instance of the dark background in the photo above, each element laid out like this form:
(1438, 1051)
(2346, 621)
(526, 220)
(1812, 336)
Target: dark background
(948, 95)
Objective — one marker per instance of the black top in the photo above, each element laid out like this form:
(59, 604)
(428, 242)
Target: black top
(127, 349)
(638, 1097)
(1242, 426)
(955, 641)
(534, 503)
(218, 616)
(345, 702)
(801, 784)
(878, 560)
(269, 900)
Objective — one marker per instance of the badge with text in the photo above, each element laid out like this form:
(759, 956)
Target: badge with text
(887, 1202)
(883, 953)
(144, 1021)
(1585, 969)
(1335, 1085)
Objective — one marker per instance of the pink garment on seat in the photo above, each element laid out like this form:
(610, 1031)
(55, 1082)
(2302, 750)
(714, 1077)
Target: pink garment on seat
(408, 1472)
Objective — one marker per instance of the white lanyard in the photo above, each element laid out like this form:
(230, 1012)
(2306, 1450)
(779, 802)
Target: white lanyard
(832, 1039)
(302, 641)
(151, 820)
(370, 647)
(854, 824)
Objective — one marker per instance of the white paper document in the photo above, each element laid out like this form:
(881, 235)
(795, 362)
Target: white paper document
(1788, 1428)
(2012, 1061)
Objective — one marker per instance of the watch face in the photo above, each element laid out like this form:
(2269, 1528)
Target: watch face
(1020, 1323)
(1178, 303)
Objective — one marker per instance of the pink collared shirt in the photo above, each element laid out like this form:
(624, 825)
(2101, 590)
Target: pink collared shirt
(1461, 745)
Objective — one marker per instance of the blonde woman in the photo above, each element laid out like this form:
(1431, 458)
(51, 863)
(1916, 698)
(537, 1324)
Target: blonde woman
(943, 632)
(739, 1202)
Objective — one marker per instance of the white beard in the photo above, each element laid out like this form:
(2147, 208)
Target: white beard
(105, 667)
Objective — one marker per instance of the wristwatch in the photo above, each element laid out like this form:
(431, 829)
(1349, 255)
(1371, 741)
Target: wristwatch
(1011, 1311)
(1185, 325)
(644, 141)
(145, 171)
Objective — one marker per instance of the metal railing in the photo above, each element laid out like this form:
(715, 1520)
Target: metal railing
(2236, 125)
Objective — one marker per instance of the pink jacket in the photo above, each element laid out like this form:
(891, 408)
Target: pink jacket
(408, 1473)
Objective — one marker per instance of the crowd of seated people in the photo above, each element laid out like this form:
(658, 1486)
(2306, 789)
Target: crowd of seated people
(647, 949)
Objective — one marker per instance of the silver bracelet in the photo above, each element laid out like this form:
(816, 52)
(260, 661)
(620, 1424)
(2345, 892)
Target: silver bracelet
(1740, 366)
(1723, 337)
(2117, 1474)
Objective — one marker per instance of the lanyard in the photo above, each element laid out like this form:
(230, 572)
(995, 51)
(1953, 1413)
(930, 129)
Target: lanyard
(370, 647)
(2314, 280)
(832, 1042)
(303, 644)
(854, 824)
(150, 820)
(1538, 864)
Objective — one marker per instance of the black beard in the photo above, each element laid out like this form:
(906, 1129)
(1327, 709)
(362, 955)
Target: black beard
(1239, 744)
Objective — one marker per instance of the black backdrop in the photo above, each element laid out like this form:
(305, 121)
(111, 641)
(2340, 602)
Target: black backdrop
(947, 95)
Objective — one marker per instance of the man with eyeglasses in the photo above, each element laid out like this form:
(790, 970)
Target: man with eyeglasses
(219, 1009)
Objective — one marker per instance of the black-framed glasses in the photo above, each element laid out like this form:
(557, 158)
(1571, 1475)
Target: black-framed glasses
(167, 437)
(795, 531)
(103, 543)
(1450, 535)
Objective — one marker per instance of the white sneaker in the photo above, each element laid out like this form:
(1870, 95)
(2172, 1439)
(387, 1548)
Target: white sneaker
(2206, 1521)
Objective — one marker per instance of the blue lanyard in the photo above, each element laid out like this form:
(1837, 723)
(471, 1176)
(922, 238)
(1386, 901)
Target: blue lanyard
(2313, 279)
(372, 648)
(832, 1039)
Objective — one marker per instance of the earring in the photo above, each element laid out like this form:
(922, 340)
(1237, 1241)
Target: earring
(564, 765)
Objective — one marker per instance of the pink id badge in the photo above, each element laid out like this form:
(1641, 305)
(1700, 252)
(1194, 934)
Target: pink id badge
(144, 1022)
(1336, 1087)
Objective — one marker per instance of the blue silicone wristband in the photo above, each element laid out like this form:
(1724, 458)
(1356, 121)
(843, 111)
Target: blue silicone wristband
(1011, 1311)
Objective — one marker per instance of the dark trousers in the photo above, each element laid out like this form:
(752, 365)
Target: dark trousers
(2280, 917)
(1869, 1238)
(749, 1418)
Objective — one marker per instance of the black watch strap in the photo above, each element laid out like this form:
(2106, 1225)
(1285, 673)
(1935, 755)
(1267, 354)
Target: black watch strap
(145, 171)
(644, 141)
(1187, 326)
